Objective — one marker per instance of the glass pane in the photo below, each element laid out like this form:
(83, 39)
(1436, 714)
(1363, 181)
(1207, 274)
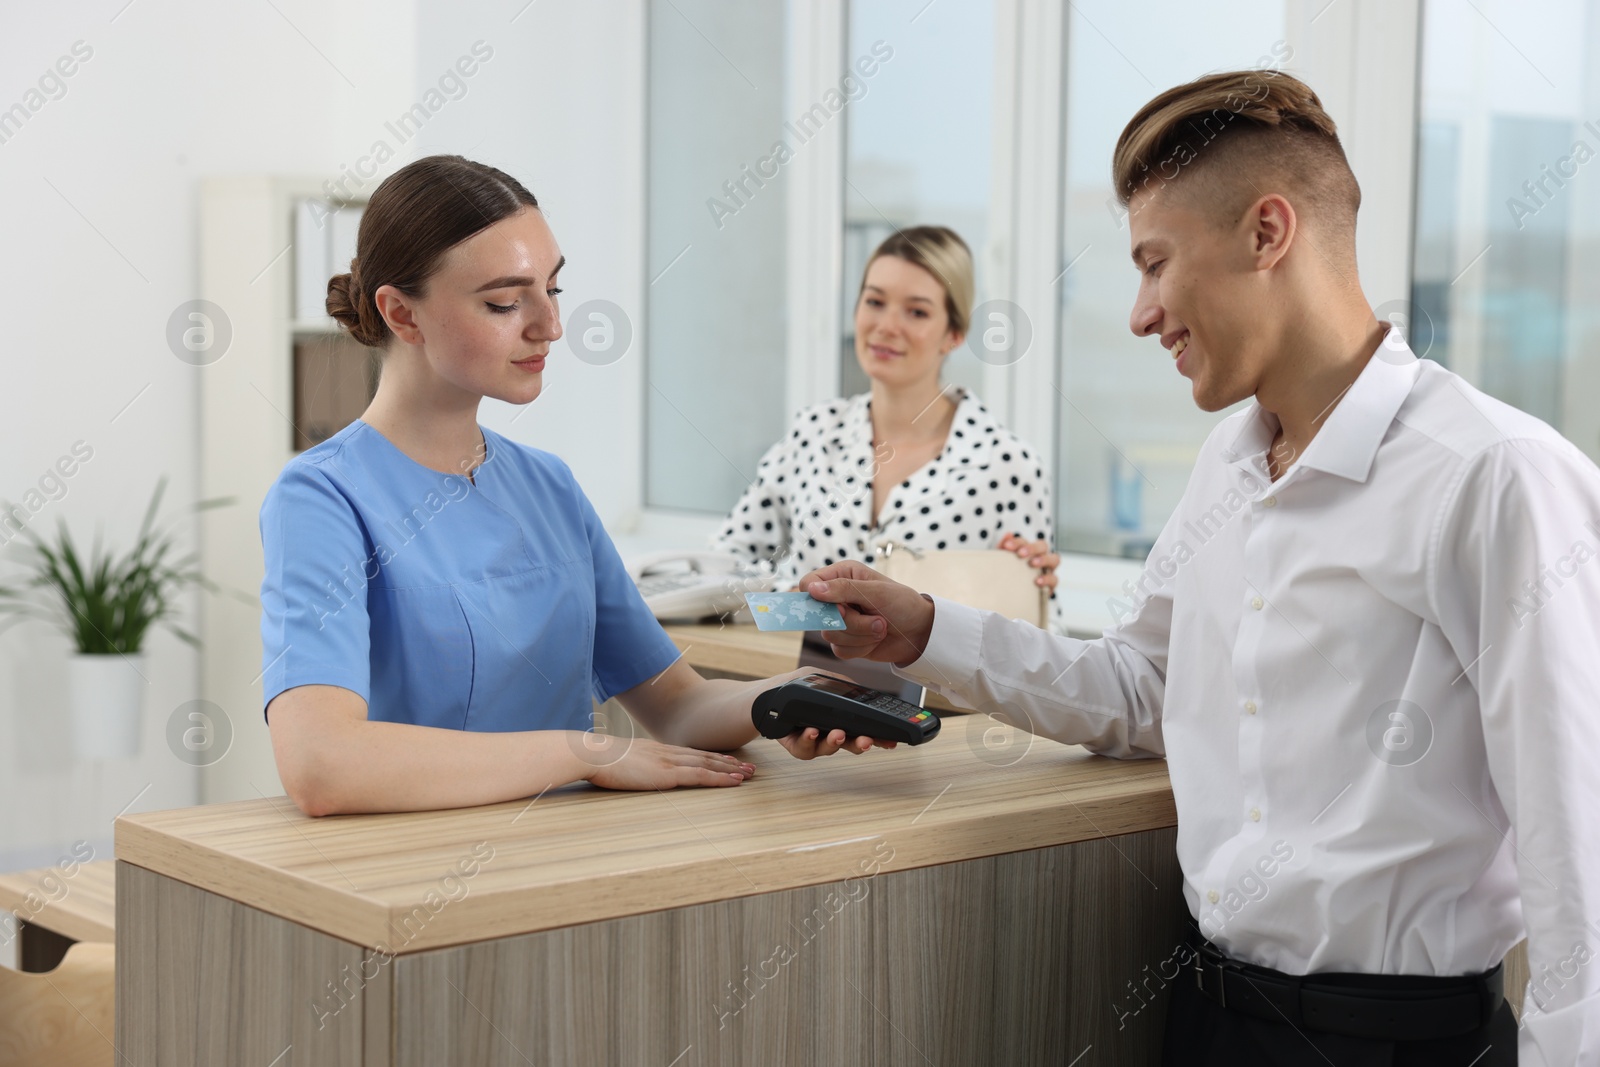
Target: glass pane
(1507, 246)
(1127, 427)
(917, 145)
(716, 249)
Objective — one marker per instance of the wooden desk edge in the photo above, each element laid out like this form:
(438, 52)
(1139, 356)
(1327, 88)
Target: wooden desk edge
(96, 922)
(344, 914)
(496, 913)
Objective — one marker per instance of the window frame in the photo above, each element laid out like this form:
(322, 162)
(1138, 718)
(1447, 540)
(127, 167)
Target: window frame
(1364, 58)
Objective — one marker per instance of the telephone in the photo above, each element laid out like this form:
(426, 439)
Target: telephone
(692, 585)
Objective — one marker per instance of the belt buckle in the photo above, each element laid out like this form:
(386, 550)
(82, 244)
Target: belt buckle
(1209, 955)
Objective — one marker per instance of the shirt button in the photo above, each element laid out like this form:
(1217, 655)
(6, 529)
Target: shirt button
(1250, 707)
(1270, 502)
(1255, 814)
(1212, 896)
(1257, 603)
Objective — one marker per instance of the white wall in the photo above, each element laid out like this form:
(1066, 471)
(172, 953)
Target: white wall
(560, 106)
(99, 188)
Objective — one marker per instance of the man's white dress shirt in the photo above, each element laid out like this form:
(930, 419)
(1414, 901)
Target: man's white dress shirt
(1376, 683)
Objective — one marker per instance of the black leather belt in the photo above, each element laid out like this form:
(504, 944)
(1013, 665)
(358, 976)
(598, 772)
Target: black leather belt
(1381, 1007)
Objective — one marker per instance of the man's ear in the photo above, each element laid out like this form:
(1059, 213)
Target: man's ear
(1273, 226)
(397, 310)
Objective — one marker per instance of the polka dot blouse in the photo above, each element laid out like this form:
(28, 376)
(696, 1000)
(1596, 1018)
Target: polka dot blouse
(811, 504)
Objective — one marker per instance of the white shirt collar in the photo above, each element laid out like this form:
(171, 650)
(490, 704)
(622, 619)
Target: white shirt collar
(1360, 419)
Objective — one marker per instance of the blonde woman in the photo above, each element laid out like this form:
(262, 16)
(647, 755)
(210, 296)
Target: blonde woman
(912, 460)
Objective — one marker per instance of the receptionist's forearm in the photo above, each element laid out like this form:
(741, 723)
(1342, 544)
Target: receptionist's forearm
(715, 715)
(682, 708)
(364, 766)
(440, 765)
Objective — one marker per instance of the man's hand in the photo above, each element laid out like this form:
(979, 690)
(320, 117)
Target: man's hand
(884, 620)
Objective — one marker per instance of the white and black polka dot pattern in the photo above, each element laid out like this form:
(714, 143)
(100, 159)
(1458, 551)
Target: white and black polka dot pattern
(811, 504)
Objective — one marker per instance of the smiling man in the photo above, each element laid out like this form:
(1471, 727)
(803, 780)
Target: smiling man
(1333, 644)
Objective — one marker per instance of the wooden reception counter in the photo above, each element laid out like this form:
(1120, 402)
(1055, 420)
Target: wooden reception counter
(985, 898)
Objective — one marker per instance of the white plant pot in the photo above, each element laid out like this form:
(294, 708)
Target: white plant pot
(106, 693)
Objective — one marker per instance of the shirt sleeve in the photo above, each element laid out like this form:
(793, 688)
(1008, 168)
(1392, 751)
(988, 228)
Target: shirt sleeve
(630, 647)
(1104, 694)
(315, 628)
(1516, 585)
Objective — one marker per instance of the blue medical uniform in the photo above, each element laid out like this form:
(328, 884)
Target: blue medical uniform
(493, 603)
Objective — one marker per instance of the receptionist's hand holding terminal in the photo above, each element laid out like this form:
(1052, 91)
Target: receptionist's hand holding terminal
(827, 703)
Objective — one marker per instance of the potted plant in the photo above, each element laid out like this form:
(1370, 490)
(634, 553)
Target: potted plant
(106, 604)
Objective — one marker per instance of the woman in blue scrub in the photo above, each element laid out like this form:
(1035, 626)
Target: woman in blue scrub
(441, 605)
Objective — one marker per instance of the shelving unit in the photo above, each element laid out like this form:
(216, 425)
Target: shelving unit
(248, 408)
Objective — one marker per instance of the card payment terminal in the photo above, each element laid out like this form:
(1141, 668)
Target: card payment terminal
(830, 703)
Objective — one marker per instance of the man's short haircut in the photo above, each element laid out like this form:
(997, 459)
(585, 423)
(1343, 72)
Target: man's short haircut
(1233, 137)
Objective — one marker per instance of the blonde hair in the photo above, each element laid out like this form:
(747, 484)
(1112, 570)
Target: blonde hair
(1231, 135)
(941, 252)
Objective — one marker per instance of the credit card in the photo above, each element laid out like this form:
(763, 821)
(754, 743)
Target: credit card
(793, 611)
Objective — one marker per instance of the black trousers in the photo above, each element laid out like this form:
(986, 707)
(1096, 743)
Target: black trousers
(1202, 1033)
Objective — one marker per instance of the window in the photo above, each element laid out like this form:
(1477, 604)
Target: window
(1507, 238)
(715, 249)
(1128, 430)
(918, 146)
(753, 279)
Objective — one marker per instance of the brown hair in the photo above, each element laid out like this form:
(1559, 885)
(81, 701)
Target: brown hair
(1239, 129)
(941, 252)
(414, 217)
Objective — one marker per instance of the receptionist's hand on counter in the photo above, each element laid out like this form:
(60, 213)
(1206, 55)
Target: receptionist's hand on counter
(639, 763)
(884, 620)
(709, 713)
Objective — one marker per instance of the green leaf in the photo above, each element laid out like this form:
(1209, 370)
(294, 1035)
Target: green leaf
(104, 602)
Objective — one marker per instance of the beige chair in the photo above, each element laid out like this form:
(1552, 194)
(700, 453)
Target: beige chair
(61, 1018)
(977, 577)
(1516, 976)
